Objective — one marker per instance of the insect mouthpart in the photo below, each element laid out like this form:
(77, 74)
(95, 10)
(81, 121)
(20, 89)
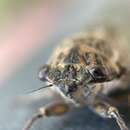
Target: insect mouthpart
(68, 87)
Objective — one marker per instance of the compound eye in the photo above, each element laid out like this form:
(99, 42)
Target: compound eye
(43, 73)
(98, 73)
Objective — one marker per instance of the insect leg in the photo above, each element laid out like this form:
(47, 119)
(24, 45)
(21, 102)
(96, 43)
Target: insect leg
(113, 113)
(55, 109)
(108, 111)
(32, 120)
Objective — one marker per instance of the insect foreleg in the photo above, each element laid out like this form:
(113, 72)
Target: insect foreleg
(113, 113)
(32, 120)
(55, 109)
(108, 111)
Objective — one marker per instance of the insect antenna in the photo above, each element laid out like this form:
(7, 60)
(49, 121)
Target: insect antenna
(47, 86)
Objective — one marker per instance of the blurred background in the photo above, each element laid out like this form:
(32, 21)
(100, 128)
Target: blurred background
(29, 31)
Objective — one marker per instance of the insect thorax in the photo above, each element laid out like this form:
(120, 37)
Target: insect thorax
(82, 61)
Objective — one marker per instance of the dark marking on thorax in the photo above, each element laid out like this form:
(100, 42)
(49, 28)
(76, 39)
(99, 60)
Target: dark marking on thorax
(73, 56)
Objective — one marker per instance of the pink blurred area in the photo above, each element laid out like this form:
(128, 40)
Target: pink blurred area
(22, 35)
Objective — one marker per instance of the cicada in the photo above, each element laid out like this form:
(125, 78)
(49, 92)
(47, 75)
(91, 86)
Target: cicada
(85, 70)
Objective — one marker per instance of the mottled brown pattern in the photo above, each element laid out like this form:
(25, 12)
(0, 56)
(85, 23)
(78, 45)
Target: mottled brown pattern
(86, 69)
